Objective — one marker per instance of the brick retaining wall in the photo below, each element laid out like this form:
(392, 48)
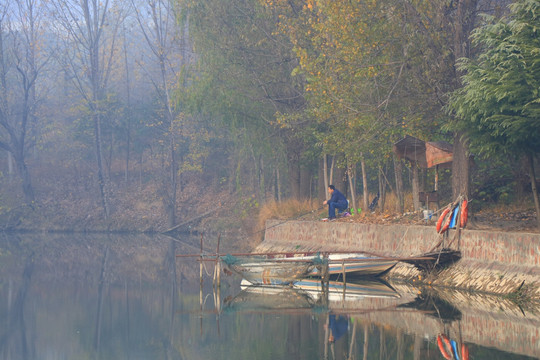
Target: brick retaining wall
(495, 262)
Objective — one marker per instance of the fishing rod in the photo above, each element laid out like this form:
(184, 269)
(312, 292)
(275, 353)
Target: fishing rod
(286, 221)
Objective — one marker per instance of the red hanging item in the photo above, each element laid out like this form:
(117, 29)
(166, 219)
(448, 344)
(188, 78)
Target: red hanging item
(441, 219)
(444, 345)
(464, 352)
(464, 213)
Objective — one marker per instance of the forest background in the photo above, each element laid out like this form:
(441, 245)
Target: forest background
(140, 115)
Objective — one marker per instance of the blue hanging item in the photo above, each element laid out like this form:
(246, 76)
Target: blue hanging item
(454, 218)
(455, 350)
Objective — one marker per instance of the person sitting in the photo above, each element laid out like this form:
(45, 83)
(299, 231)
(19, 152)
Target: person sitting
(337, 201)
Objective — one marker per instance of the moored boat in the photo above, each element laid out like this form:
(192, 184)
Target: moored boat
(265, 271)
(285, 270)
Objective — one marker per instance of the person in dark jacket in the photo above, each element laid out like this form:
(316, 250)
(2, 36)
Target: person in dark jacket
(337, 201)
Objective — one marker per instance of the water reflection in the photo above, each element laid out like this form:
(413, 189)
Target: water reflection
(127, 297)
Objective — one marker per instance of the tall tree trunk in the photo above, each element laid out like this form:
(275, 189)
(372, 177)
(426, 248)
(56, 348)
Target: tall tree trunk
(520, 177)
(128, 112)
(463, 25)
(10, 163)
(173, 180)
(351, 176)
(460, 166)
(323, 180)
(532, 175)
(305, 183)
(398, 166)
(278, 184)
(99, 160)
(382, 189)
(415, 185)
(365, 193)
(28, 190)
(294, 176)
(233, 174)
(340, 178)
(262, 190)
(331, 174)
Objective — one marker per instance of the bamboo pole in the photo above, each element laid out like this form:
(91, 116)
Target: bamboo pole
(217, 269)
(293, 253)
(344, 278)
(285, 260)
(353, 341)
(219, 263)
(201, 265)
(201, 287)
(326, 336)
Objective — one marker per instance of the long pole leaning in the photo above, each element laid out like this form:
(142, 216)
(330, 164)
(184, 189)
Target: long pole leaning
(217, 266)
(201, 265)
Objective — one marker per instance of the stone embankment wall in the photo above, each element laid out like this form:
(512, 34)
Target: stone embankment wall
(492, 262)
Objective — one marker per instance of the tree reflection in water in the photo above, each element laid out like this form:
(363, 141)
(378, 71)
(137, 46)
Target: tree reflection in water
(73, 297)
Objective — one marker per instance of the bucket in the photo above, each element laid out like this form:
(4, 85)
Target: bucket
(428, 214)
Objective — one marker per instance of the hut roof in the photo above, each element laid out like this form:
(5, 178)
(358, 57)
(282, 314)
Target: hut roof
(426, 154)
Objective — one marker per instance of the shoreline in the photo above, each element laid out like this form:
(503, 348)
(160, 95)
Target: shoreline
(492, 262)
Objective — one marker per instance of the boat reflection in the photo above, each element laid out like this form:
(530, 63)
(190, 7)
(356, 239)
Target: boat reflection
(268, 298)
(308, 294)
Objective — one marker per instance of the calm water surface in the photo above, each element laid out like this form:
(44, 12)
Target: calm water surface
(129, 297)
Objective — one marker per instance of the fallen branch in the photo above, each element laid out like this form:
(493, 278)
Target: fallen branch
(184, 223)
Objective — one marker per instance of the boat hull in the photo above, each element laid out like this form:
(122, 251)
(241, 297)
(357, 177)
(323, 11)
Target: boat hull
(355, 265)
(272, 272)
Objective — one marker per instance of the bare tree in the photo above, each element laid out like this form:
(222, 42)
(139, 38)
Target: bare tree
(157, 20)
(22, 58)
(89, 29)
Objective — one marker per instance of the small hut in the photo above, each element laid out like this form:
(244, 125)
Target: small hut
(424, 155)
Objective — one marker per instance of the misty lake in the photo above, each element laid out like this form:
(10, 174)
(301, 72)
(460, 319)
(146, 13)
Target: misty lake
(72, 296)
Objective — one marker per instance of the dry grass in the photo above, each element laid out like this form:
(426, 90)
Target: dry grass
(287, 210)
(389, 206)
(292, 209)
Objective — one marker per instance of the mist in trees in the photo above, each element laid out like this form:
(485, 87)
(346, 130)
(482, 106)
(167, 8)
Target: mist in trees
(110, 104)
(23, 57)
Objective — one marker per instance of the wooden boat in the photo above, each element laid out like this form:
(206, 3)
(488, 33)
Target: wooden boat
(266, 270)
(356, 265)
(261, 270)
